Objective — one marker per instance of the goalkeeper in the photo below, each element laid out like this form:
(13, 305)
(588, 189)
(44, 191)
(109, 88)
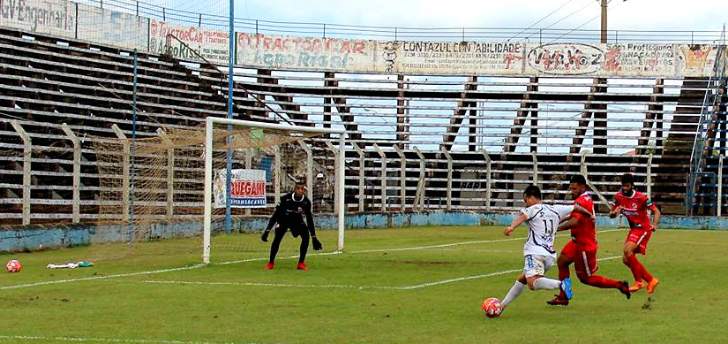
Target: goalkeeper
(289, 215)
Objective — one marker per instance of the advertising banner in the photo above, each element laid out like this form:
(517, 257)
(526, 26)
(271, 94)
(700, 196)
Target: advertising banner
(247, 189)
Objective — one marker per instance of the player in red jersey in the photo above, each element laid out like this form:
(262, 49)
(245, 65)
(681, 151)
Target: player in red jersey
(582, 248)
(634, 205)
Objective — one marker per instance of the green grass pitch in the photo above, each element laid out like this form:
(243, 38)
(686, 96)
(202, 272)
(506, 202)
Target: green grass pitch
(413, 285)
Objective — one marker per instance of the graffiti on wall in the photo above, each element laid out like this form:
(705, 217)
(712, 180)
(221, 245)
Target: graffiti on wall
(103, 25)
(696, 59)
(639, 59)
(305, 52)
(110, 27)
(211, 44)
(57, 17)
(565, 59)
(460, 57)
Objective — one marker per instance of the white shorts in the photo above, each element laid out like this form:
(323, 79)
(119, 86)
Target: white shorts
(537, 265)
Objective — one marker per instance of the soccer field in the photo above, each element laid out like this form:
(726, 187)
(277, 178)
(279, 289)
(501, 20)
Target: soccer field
(414, 285)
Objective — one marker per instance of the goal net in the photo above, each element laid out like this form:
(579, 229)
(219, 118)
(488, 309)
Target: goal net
(172, 186)
(292, 153)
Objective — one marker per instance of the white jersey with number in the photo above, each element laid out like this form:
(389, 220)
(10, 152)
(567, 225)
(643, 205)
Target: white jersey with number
(543, 221)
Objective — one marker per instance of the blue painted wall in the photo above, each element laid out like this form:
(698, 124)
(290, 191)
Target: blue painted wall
(30, 239)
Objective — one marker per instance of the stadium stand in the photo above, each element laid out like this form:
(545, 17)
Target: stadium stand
(421, 142)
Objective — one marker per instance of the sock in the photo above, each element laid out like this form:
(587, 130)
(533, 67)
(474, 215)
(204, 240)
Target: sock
(638, 270)
(516, 290)
(635, 266)
(602, 282)
(303, 249)
(646, 275)
(643, 271)
(546, 283)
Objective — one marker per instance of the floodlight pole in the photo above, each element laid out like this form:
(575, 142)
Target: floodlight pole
(604, 21)
(229, 155)
(604, 4)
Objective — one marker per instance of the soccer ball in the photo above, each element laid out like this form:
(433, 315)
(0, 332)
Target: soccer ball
(492, 307)
(13, 266)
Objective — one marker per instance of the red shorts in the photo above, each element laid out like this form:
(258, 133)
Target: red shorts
(585, 260)
(641, 238)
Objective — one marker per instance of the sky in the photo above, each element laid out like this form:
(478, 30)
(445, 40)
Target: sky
(629, 14)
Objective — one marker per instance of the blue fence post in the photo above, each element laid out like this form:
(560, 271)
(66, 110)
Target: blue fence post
(229, 155)
(132, 173)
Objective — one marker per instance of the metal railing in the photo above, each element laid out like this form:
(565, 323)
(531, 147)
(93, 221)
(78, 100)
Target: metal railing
(698, 152)
(332, 30)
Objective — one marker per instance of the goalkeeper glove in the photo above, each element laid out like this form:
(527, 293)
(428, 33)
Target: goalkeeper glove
(264, 236)
(317, 244)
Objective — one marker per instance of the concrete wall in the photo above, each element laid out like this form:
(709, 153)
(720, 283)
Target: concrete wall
(30, 239)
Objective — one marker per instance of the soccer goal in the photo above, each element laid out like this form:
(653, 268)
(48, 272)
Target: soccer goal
(166, 194)
(266, 160)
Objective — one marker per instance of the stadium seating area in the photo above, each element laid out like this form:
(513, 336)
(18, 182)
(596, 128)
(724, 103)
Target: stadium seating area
(419, 142)
(47, 82)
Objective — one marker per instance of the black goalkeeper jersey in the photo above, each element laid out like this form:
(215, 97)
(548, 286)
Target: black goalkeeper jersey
(290, 212)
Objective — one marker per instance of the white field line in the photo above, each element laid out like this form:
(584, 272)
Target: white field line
(197, 266)
(399, 249)
(472, 242)
(347, 286)
(266, 258)
(70, 280)
(102, 340)
(280, 285)
(467, 278)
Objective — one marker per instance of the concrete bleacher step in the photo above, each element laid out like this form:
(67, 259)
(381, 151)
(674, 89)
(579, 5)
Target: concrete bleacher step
(692, 94)
(671, 174)
(245, 106)
(109, 63)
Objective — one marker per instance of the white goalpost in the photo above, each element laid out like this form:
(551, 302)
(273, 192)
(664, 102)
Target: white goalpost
(250, 135)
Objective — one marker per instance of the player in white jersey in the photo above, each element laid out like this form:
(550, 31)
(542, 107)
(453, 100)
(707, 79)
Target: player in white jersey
(538, 250)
